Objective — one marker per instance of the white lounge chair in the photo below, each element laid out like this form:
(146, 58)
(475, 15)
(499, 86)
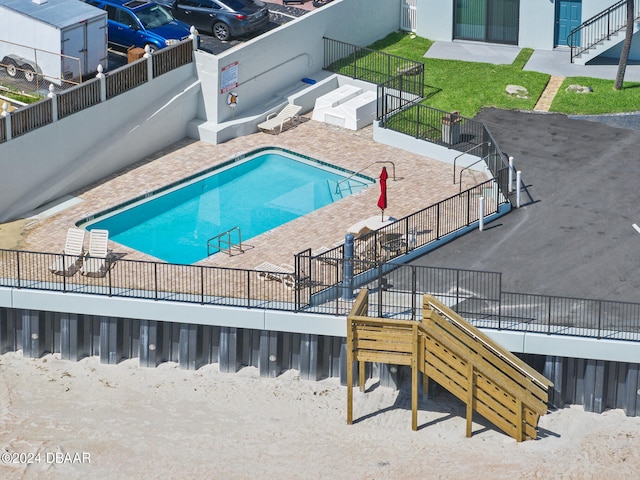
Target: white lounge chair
(69, 261)
(282, 273)
(320, 253)
(274, 123)
(95, 263)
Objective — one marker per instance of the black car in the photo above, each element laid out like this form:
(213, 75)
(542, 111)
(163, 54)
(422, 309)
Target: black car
(223, 18)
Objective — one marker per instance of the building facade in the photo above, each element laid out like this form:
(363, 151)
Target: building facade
(542, 25)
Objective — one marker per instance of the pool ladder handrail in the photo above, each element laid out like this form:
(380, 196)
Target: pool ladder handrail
(363, 169)
(339, 190)
(221, 237)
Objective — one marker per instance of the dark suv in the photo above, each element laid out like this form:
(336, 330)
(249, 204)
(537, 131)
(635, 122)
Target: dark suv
(137, 23)
(223, 18)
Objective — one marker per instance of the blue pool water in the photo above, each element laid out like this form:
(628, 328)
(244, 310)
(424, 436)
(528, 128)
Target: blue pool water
(256, 193)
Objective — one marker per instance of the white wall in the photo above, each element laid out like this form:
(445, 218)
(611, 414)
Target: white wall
(435, 22)
(64, 156)
(593, 7)
(634, 53)
(537, 24)
(273, 62)
(434, 19)
(537, 20)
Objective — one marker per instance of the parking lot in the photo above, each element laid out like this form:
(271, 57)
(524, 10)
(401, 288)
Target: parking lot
(279, 14)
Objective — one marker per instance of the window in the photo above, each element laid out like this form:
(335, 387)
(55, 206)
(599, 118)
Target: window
(487, 20)
(124, 17)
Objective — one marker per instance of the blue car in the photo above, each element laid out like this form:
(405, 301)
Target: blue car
(138, 23)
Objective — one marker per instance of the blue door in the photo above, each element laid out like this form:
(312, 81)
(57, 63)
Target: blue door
(568, 17)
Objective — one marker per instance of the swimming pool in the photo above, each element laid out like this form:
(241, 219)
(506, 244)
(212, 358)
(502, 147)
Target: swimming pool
(255, 192)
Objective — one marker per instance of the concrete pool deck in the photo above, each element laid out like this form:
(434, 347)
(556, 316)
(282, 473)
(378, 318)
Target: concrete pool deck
(421, 182)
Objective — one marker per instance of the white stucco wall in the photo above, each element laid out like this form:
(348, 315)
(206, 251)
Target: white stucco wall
(435, 22)
(270, 65)
(593, 7)
(82, 148)
(434, 19)
(537, 20)
(634, 53)
(537, 25)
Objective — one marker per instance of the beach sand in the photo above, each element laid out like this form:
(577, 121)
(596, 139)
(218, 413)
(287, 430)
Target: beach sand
(88, 420)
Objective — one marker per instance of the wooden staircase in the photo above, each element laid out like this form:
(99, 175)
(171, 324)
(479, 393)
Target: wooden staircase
(446, 348)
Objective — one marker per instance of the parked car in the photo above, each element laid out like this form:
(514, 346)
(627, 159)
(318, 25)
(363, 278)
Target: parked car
(223, 18)
(138, 23)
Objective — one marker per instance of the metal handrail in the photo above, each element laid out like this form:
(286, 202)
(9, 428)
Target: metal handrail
(599, 20)
(230, 244)
(481, 159)
(464, 153)
(362, 170)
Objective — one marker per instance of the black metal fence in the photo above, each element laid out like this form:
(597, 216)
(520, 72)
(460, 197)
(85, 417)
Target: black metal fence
(400, 88)
(449, 129)
(600, 27)
(373, 66)
(395, 292)
(406, 234)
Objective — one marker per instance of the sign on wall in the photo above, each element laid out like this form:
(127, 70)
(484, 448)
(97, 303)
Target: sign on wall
(229, 77)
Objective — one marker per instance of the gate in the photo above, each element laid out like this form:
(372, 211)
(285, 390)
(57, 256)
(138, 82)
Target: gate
(408, 15)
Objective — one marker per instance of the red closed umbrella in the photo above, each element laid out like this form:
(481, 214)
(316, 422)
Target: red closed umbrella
(382, 201)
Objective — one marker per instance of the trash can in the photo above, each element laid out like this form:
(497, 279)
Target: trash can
(134, 53)
(451, 128)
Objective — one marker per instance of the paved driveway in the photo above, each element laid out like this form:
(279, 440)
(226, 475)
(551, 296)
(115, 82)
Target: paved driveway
(574, 236)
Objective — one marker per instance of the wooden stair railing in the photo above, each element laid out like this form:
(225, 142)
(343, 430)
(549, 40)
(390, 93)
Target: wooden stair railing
(444, 347)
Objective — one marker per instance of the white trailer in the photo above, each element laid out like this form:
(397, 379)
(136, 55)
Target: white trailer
(55, 39)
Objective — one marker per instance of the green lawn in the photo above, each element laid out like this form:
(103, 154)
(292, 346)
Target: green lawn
(603, 99)
(470, 86)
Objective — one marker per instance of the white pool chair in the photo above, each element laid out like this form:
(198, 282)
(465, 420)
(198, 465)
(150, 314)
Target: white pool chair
(69, 261)
(95, 263)
(282, 273)
(275, 123)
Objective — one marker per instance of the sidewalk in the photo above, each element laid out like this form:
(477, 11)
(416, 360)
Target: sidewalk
(555, 62)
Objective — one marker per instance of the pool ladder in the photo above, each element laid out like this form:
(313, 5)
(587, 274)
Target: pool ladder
(222, 242)
(338, 187)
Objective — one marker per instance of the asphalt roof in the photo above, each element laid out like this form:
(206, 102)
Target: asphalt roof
(573, 236)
